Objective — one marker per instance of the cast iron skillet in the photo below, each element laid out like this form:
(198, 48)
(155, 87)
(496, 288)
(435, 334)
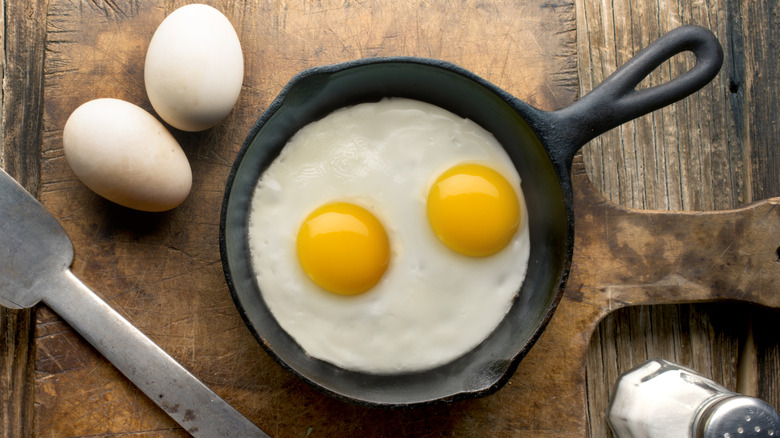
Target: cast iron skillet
(541, 145)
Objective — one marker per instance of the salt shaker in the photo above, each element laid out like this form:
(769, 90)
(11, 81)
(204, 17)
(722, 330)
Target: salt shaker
(660, 399)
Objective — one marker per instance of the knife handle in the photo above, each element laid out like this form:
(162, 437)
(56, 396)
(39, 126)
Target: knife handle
(199, 410)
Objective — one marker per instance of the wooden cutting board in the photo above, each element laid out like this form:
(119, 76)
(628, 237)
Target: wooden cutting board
(163, 272)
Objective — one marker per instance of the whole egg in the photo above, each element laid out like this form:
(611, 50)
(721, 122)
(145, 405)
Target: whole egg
(124, 154)
(194, 68)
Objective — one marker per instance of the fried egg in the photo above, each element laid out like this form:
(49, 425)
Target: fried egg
(389, 237)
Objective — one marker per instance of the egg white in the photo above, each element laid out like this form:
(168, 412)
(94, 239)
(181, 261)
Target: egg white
(432, 304)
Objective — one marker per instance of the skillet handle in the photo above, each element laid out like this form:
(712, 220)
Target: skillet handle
(616, 100)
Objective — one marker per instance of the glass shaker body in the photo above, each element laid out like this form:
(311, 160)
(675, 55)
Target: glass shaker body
(660, 399)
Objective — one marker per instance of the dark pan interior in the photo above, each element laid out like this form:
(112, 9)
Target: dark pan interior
(317, 92)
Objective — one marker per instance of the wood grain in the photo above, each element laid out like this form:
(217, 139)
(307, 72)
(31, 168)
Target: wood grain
(162, 271)
(715, 150)
(21, 103)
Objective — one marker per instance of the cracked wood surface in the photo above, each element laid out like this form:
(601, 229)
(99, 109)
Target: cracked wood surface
(21, 104)
(162, 270)
(715, 150)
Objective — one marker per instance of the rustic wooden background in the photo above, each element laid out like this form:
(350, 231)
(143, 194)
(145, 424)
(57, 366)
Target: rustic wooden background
(715, 150)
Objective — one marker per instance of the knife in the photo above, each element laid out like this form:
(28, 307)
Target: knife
(35, 258)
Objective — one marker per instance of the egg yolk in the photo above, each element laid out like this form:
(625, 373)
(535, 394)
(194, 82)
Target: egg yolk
(343, 248)
(473, 210)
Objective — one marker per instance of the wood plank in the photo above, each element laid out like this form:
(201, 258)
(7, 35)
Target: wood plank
(636, 258)
(163, 271)
(21, 103)
(708, 152)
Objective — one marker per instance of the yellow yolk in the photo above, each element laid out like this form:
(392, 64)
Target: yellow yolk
(473, 210)
(343, 248)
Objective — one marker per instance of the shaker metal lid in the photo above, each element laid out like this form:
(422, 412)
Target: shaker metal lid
(738, 416)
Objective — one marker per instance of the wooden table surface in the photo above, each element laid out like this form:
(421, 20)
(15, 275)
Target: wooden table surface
(713, 151)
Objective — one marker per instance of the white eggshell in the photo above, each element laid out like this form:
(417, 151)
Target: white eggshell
(126, 155)
(194, 68)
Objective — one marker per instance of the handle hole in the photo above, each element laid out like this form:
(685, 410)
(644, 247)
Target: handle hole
(668, 70)
(777, 253)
